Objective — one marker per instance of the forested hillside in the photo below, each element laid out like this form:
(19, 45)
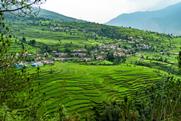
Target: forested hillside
(56, 68)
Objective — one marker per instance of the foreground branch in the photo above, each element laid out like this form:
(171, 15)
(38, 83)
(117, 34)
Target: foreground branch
(20, 8)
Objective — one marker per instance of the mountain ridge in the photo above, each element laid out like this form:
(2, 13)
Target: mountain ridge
(56, 16)
(43, 13)
(166, 20)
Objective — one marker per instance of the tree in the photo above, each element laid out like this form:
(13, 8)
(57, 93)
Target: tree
(32, 42)
(179, 60)
(23, 40)
(110, 56)
(11, 79)
(21, 6)
(46, 49)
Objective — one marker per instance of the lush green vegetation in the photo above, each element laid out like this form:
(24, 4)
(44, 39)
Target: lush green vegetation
(94, 72)
(160, 102)
(79, 87)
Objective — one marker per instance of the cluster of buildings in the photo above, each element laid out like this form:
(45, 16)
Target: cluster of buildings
(100, 52)
(33, 64)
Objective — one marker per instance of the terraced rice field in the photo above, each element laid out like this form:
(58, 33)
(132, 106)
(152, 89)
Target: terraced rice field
(78, 87)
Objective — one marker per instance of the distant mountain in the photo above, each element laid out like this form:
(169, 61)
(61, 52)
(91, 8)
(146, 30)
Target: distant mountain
(55, 16)
(167, 20)
(46, 14)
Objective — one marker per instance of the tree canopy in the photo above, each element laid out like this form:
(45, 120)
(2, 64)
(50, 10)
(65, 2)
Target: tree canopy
(18, 5)
(12, 80)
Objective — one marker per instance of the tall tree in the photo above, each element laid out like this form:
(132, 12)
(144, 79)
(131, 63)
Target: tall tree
(11, 79)
(179, 60)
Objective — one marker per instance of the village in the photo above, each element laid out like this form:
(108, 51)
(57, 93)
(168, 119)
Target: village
(79, 55)
(110, 52)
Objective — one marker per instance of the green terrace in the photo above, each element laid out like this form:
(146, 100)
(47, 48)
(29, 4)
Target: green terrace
(78, 87)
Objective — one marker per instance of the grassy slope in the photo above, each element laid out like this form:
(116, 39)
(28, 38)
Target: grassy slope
(44, 35)
(78, 87)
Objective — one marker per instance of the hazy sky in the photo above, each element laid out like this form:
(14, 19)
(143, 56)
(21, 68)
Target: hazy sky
(103, 10)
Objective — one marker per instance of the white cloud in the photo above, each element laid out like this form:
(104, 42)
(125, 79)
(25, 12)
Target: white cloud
(103, 10)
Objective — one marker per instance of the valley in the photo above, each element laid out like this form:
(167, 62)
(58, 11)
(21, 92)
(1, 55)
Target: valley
(79, 65)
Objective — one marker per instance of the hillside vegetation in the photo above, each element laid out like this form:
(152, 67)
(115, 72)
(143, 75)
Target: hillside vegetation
(86, 71)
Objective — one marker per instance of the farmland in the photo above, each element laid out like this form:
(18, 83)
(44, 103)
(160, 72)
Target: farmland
(78, 65)
(78, 87)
